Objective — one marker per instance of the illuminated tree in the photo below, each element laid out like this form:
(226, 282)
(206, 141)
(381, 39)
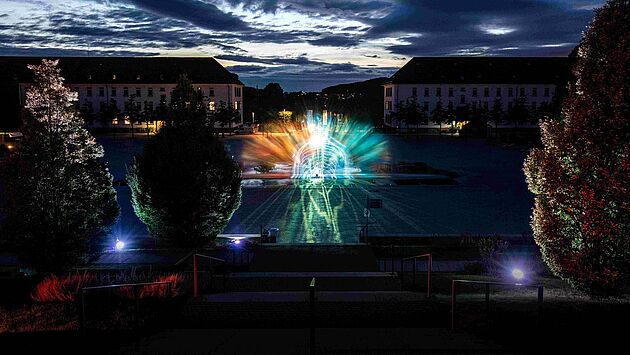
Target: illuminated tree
(581, 176)
(438, 115)
(226, 114)
(58, 192)
(185, 187)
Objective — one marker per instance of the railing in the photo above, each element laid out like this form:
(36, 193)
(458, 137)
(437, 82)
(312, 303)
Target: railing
(195, 279)
(415, 272)
(242, 252)
(311, 298)
(134, 286)
(487, 285)
(363, 234)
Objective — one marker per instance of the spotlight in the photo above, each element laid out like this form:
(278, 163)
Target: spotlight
(518, 274)
(237, 241)
(120, 245)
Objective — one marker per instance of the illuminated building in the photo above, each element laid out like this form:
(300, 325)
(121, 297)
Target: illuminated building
(140, 81)
(473, 82)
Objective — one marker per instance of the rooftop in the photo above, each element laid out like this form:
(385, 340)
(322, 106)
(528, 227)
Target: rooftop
(483, 70)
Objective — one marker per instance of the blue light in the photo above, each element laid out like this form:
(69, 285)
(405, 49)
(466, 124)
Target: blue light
(120, 245)
(518, 274)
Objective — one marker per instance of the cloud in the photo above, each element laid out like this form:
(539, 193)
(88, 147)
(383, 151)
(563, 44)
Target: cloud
(336, 41)
(195, 12)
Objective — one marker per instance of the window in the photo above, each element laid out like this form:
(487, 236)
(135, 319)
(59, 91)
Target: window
(498, 93)
(113, 76)
(546, 92)
(237, 92)
(388, 105)
(414, 92)
(125, 92)
(149, 105)
(534, 92)
(237, 105)
(462, 99)
(522, 92)
(113, 91)
(162, 90)
(163, 97)
(89, 92)
(150, 92)
(211, 106)
(426, 106)
(211, 92)
(426, 92)
(486, 92)
(438, 92)
(462, 90)
(450, 92)
(138, 105)
(138, 92)
(510, 92)
(101, 92)
(388, 92)
(474, 92)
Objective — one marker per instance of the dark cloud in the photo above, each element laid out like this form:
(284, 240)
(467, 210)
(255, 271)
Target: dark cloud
(336, 41)
(195, 12)
(451, 27)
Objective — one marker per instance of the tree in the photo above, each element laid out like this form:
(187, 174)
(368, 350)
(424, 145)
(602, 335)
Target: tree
(187, 105)
(581, 176)
(59, 194)
(185, 187)
(438, 115)
(132, 112)
(108, 112)
(518, 113)
(226, 114)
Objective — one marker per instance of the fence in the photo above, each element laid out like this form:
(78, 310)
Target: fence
(487, 289)
(195, 269)
(134, 286)
(415, 272)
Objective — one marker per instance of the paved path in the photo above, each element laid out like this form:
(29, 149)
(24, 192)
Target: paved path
(296, 341)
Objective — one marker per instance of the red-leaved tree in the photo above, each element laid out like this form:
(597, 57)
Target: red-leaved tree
(581, 176)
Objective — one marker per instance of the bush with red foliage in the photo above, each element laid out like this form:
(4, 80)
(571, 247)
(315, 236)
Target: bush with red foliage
(61, 289)
(156, 291)
(581, 177)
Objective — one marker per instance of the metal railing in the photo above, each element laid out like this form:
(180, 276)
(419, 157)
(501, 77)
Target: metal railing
(134, 286)
(195, 272)
(487, 284)
(415, 271)
(311, 298)
(244, 258)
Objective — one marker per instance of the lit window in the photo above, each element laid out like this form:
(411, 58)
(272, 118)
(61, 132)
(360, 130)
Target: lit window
(237, 105)
(115, 121)
(211, 106)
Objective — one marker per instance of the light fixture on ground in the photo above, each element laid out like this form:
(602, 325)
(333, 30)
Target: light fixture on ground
(518, 274)
(120, 245)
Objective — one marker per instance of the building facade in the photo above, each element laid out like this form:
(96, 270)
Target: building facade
(141, 82)
(474, 82)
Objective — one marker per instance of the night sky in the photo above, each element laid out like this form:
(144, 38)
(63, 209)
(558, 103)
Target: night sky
(302, 44)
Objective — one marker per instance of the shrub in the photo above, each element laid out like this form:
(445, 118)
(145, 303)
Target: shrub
(61, 289)
(489, 250)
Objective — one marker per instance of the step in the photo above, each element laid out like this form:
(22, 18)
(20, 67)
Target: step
(332, 308)
(325, 281)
